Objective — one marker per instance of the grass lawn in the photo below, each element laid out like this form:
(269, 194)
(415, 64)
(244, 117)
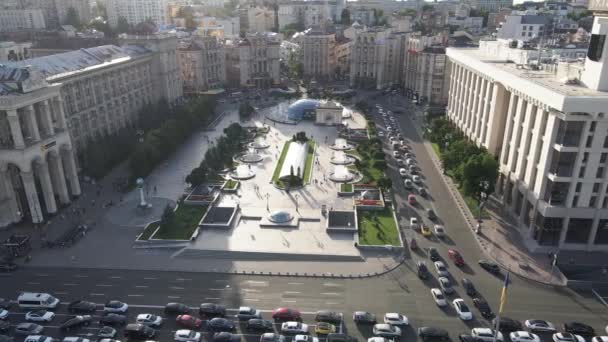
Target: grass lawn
(277, 170)
(307, 165)
(353, 152)
(149, 230)
(344, 187)
(231, 184)
(185, 222)
(309, 158)
(473, 206)
(436, 149)
(377, 228)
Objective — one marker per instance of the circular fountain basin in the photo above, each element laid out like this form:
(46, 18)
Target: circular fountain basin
(341, 158)
(341, 174)
(341, 145)
(280, 216)
(242, 172)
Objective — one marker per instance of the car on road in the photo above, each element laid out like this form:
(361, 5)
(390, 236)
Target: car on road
(483, 307)
(421, 191)
(486, 334)
(257, 324)
(536, 325)
(410, 161)
(386, 330)
(462, 310)
(139, 332)
(416, 179)
(113, 319)
(149, 320)
(81, 306)
(446, 285)
(433, 334)
(439, 230)
(225, 337)
(523, 336)
(394, 318)
(211, 310)
(75, 339)
(221, 324)
(599, 339)
(381, 134)
(442, 271)
(25, 329)
(421, 270)
(324, 328)
(434, 254)
(468, 286)
(579, 328)
(438, 297)
(468, 338)
(328, 316)
(489, 266)
(364, 317)
(411, 199)
(247, 313)
(177, 309)
(413, 223)
(286, 314)
(116, 306)
(188, 321)
(76, 322)
(4, 326)
(425, 231)
(407, 183)
(39, 316)
(305, 338)
(456, 257)
(107, 332)
(403, 172)
(185, 335)
(3, 313)
(430, 213)
(567, 337)
(396, 154)
(36, 338)
(507, 324)
(294, 328)
(272, 337)
(5, 303)
(378, 339)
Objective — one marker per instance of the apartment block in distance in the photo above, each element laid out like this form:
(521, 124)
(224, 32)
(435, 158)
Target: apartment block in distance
(202, 64)
(138, 11)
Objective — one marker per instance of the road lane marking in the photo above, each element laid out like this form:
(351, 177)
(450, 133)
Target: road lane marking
(41, 275)
(222, 289)
(141, 286)
(332, 285)
(80, 276)
(60, 292)
(251, 299)
(332, 303)
(292, 292)
(288, 301)
(69, 284)
(115, 277)
(330, 293)
(150, 278)
(104, 285)
(134, 295)
(295, 283)
(183, 279)
(212, 298)
(33, 283)
(251, 290)
(97, 294)
(173, 297)
(176, 288)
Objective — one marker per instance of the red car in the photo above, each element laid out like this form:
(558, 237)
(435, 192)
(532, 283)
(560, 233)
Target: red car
(456, 257)
(411, 199)
(286, 314)
(188, 321)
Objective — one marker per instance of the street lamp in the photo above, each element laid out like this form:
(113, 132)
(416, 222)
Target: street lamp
(267, 204)
(483, 196)
(296, 197)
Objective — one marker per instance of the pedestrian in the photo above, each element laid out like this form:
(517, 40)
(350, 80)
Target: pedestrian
(155, 189)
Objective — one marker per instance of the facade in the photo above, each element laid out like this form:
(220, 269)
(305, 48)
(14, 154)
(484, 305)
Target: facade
(288, 48)
(377, 58)
(319, 53)
(138, 11)
(309, 13)
(343, 50)
(82, 8)
(328, 114)
(549, 132)
(532, 54)
(490, 5)
(11, 51)
(12, 20)
(260, 19)
(37, 165)
(470, 24)
(258, 60)
(523, 27)
(426, 75)
(202, 64)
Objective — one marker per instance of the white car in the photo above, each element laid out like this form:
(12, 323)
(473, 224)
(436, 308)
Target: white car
(378, 339)
(403, 172)
(523, 336)
(386, 330)
(413, 222)
(408, 184)
(462, 310)
(486, 334)
(185, 335)
(416, 179)
(600, 339)
(3, 313)
(396, 154)
(305, 338)
(394, 318)
(539, 325)
(439, 230)
(149, 319)
(116, 306)
(294, 328)
(109, 340)
(75, 339)
(567, 337)
(381, 134)
(442, 271)
(39, 316)
(410, 161)
(38, 338)
(438, 297)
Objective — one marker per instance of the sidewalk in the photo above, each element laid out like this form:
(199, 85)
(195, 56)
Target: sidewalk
(499, 239)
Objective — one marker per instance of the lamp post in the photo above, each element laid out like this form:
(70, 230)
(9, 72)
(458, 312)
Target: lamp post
(296, 197)
(267, 203)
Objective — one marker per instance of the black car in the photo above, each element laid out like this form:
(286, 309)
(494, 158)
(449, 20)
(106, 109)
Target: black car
(433, 254)
(508, 324)
(75, 322)
(8, 267)
(258, 324)
(5, 303)
(335, 337)
(468, 338)
(489, 266)
(177, 309)
(4, 338)
(422, 270)
(81, 306)
(468, 287)
(113, 319)
(579, 329)
(483, 307)
(225, 337)
(4, 326)
(432, 333)
(328, 316)
(219, 324)
(211, 310)
(364, 317)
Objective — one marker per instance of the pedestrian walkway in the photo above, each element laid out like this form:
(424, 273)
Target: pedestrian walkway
(499, 238)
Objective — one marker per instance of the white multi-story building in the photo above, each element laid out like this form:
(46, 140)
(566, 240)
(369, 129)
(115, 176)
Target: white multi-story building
(82, 8)
(319, 53)
(11, 51)
(523, 27)
(309, 13)
(202, 64)
(260, 19)
(12, 20)
(377, 58)
(470, 24)
(490, 5)
(548, 129)
(287, 49)
(254, 61)
(138, 11)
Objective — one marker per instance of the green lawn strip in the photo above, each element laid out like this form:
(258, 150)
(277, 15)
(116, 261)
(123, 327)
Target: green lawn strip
(354, 153)
(436, 149)
(277, 170)
(185, 222)
(344, 187)
(377, 228)
(473, 205)
(149, 230)
(231, 184)
(309, 158)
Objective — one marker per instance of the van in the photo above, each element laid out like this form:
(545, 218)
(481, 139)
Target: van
(34, 300)
(139, 331)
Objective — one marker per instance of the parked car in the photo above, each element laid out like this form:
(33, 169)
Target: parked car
(489, 266)
(272, 337)
(107, 332)
(468, 286)
(212, 310)
(184, 335)
(247, 312)
(486, 334)
(434, 254)
(75, 322)
(39, 316)
(149, 320)
(507, 324)
(579, 328)
(455, 256)
(430, 213)
(446, 285)
(422, 270)
(433, 334)
(535, 325)
(411, 199)
(328, 316)
(188, 321)
(177, 309)
(324, 328)
(116, 306)
(394, 318)
(364, 317)
(567, 337)
(462, 310)
(225, 337)
(414, 223)
(286, 314)
(257, 324)
(442, 271)
(439, 230)
(294, 328)
(386, 330)
(113, 319)
(483, 307)
(221, 324)
(25, 329)
(305, 338)
(32, 338)
(81, 306)
(438, 297)
(523, 336)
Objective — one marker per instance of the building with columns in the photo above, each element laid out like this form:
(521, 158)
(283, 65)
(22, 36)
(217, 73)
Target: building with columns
(37, 166)
(548, 128)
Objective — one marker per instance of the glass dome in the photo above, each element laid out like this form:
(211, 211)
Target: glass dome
(297, 109)
(280, 216)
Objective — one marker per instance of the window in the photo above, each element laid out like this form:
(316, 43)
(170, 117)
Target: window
(592, 201)
(578, 187)
(596, 187)
(596, 46)
(603, 157)
(585, 157)
(575, 201)
(578, 230)
(599, 173)
(589, 141)
(606, 142)
(581, 172)
(592, 126)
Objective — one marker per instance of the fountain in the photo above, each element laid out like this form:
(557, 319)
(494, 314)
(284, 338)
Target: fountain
(341, 145)
(280, 216)
(242, 172)
(341, 158)
(250, 157)
(341, 174)
(259, 143)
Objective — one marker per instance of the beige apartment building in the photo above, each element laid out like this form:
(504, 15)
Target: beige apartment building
(202, 64)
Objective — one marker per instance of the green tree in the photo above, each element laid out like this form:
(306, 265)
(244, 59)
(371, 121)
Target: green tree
(198, 175)
(245, 110)
(457, 153)
(122, 25)
(71, 17)
(479, 174)
(168, 215)
(379, 17)
(385, 183)
(345, 17)
(408, 12)
(295, 66)
(427, 7)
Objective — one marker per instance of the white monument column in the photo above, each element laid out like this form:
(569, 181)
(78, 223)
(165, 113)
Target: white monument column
(32, 125)
(47, 186)
(6, 187)
(59, 112)
(32, 196)
(595, 75)
(47, 117)
(15, 125)
(70, 169)
(58, 177)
